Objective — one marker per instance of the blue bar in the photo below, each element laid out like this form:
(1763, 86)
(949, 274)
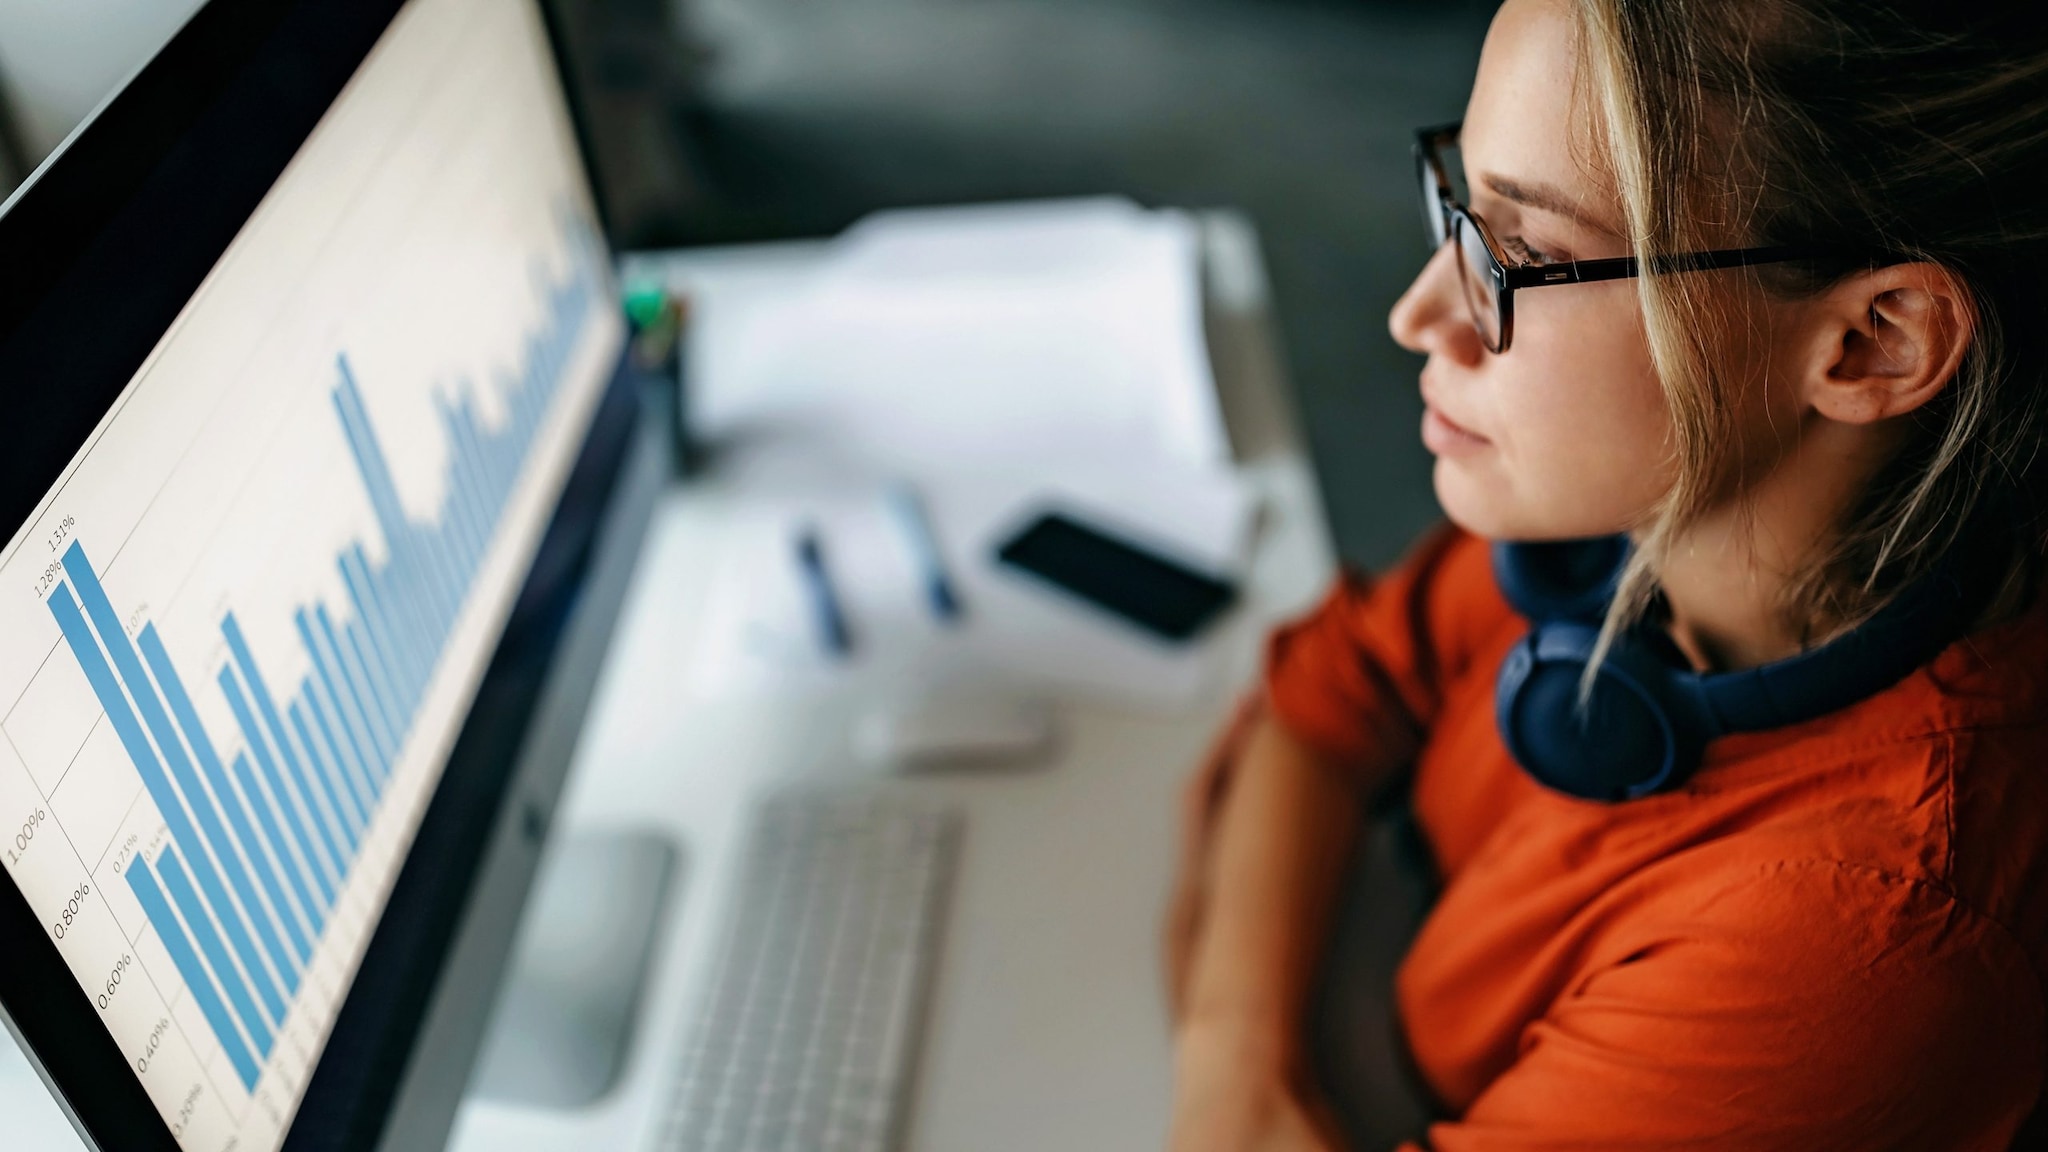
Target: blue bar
(384, 710)
(380, 638)
(484, 519)
(333, 776)
(399, 534)
(266, 869)
(447, 578)
(351, 677)
(516, 387)
(353, 727)
(330, 782)
(168, 802)
(502, 449)
(288, 802)
(394, 591)
(378, 687)
(469, 455)
(315, 908)
(326, 720)
(259, 693)
(370, 462)
(143, 883)
(459, 513)
(460, 523)
(188, 902)
(485, 461)
(540, 356)
(398, 711)
(152, 712)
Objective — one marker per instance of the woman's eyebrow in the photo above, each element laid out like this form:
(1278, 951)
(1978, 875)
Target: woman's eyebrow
(1545, 197)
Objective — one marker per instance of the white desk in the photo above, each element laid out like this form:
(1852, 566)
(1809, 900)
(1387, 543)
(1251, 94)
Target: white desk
(1047, 1028)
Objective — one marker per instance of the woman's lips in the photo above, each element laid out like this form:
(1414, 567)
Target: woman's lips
(1447, 437)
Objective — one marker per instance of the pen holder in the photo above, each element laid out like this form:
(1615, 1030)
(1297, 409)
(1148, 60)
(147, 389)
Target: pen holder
(660, 327)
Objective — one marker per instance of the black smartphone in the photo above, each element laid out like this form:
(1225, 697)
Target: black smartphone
(1156, 593)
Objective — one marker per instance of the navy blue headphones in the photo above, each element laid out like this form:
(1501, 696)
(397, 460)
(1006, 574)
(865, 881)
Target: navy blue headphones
(1650, 716)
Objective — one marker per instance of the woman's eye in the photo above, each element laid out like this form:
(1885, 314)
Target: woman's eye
(1523, 253)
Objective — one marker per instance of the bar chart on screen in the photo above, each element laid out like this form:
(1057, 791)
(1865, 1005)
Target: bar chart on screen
(261, 837)
(241, 848)
(241, 633)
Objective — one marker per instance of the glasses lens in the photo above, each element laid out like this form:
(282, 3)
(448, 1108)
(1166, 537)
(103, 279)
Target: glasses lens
(1476, 275)
(1432, 200)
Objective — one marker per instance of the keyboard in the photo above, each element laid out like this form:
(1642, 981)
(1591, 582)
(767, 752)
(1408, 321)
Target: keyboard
(806, 1039)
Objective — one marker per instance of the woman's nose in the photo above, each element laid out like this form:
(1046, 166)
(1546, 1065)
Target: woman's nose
(1431, 317)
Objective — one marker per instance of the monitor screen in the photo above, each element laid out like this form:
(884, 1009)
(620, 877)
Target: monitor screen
(240, 634)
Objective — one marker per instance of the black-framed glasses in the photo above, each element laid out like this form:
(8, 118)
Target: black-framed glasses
(1490, 280)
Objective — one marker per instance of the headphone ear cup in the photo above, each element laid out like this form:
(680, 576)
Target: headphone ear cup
(1635, 735)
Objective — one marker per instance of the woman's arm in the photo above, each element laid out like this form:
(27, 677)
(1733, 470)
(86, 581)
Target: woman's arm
(1270, 823)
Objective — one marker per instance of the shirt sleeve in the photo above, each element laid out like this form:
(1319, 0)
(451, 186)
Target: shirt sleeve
(1363, 674)
(1818, 1007)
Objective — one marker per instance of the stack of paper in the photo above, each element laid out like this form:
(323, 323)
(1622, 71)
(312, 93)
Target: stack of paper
(975, 337)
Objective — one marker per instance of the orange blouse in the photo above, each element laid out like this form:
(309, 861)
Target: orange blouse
(1832, 937)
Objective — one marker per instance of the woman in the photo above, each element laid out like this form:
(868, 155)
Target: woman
(1804, 908)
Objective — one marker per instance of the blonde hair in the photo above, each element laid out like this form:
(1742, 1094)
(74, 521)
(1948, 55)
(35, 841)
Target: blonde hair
(1887, 132)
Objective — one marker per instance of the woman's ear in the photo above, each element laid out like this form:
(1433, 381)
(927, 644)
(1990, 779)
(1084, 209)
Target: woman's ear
(1886, 341)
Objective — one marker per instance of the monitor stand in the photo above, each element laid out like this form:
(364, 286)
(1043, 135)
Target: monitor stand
(559, 1034)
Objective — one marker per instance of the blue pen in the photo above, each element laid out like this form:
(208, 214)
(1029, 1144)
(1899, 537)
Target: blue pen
(924, 545)
(825, 605)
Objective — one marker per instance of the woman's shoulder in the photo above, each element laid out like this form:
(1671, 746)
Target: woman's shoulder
(1919, 860)
(1850, 982)
(1943, 776)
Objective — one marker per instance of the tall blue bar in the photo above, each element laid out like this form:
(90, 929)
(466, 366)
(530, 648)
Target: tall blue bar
(487, 481)
(447, 588)
(149, 894)
(375, 726)
(237, 922)
(398, 710)
(378, 637)
(310, 898)
(86, 648)
(370, 462)
(259, 694)
(386, 726)
(311, 843)
(333, 777)
(255, 850)
(415, 648)
(172, 871)
(313, 703)
(468, 462)
(459, 512)
(399, 533)
(354, 727)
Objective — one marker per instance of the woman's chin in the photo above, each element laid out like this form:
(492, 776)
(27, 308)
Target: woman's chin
(1486, 506)
(1478, 505)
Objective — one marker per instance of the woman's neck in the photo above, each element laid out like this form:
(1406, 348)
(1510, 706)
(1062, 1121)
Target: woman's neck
(1725, 592)
(1726, 578)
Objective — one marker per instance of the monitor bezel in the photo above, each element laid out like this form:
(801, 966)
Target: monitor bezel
(107, 240)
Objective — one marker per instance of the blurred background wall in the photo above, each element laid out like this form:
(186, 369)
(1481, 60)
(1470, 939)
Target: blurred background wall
(60, 58)
(730, 120)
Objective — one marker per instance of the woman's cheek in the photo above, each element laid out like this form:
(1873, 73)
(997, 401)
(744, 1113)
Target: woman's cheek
(1576, 463)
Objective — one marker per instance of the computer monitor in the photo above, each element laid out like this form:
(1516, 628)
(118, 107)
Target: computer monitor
(322, 472)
